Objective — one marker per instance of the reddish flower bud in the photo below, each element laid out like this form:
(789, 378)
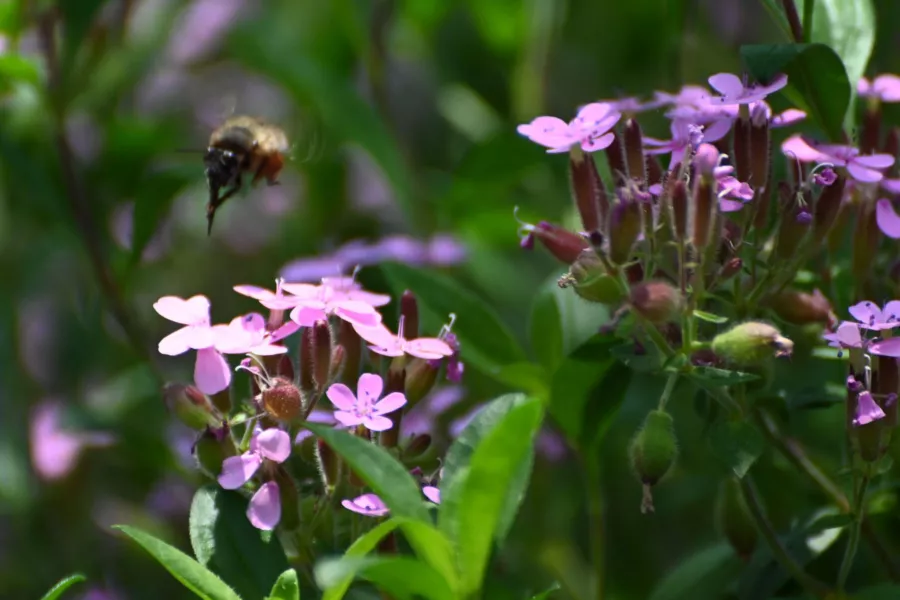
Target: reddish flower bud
(616, 160)
(827, 208)
(338, 356)
(321, 356)
(305, 350)
(679, 204)
(409, 312)
(731, 268)
(654, 171)
(705, 208)
(760, 155)
(656, 301)
(563, 244)
(892, 143)
(285, 367)
(191, 406)
(283, 401)
(634, 151)
(741, 154)
(624, 228)
(587, 189)
(802, 308)
(350, 341)
(421, 376)
(870, 130)
(417, 446)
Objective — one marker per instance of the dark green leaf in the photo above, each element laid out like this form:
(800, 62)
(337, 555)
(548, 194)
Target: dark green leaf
(829, 522)
(544, 328)
(477, 501)
(459, 455)
(15, 68)
(62, 585)
(817, 80)
(338, 586)
(226, 543)
(484, 339)
(645, 359)
(714, 376)
(546, 594)
(185, 569)
(737, 444)
(401, 577)
(710, 317)
(703, 575)
(287, 587)
(382, 472)
(882, 591)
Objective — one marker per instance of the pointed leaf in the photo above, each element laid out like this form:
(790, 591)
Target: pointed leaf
(710, 317)
(185, 569)
(287, 587)
(703, 575)
(62, 585)
(716, 377)
(338, 586)
(401, 577)
(382, 472)
(737, 444)
(432, 547)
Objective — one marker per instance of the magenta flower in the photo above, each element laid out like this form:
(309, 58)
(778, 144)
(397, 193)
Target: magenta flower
(867, 410)
(317, 302)
(432, 493)
(211, 371)
(365, 408)
(825, 177)
(384, 342)
(732, 194)
(734, 90)
(866, 169)
(686, 135)
(276, 300)
(887, 218)
(874, 318)
(272, 444)
(367, 504)
(55, 450)
(590, 128)
(885, 88)
(248, 335)
(848, 335)
(761, 113)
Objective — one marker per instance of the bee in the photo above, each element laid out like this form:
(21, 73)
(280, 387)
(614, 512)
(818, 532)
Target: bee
(242, 145)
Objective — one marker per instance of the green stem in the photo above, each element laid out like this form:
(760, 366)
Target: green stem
(808, 8)
(667, 391)
(809, 583)
(853, 542)
(658, 339)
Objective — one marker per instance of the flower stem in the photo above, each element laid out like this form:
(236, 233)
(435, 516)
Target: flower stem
(808, 8)
(853, 542)
(667, 391)
(790, 11)
(809, 583)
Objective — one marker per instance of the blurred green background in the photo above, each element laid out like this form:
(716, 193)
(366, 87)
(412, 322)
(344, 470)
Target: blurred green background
(402, 115)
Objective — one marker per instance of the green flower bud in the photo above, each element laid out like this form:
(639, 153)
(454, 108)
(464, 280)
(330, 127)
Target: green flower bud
(417, 446)
(284, 400)
(656, 301)
(733, 519)
(191, 406)
(624, 228)
(212, 448)
(588, 277)
(750, 344)
(653, 452)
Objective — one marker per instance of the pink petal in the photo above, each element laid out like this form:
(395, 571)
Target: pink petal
(866, 312)
(393, 351)
(863, 174)
(717, 130)
(863, 87)
(177, 342)
(211, 371)
(596, 116)
(891, 312)
(264, 510)
(193, 311)
(779, 82)
(377, 335)
(848, 335)
(347, 419)
(369, 388)
(892, 186)
(274, 444)
(726, 205)
(428, 348)
(377, 423)
(796, 148)
(267, 349)
(356, 312)
(551, 132)
(306, 291)
(367, 504)
(237, 470)
(253, 322)
(594, 144)
(390, 403)
(284, 331)
(875, 161)
(887, 87)
(867, 410)
(788, 117)
(727, 84)
(253, 291)
(432, 493)
(306, 316)
(341, 396)
(369, 298)
(888, 347)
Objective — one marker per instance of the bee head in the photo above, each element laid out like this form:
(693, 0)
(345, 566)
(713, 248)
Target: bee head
(222, 167)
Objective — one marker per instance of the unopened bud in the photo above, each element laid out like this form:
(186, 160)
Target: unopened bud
(285, 367)
(321, 356)
(283, 401)
(656, 301)
(337, 363)
(417, 446)
(733, 519)
(588, 277)
(616, 160)
(587, 189)
(892, 142)
(191, 406)
(350, 341)
(305, 350)
(679, 203)
(654, 171)
(653, 452)
(421, 376)
(741, 154)
(563, 244)
(624, 228)
(212, 448)
(750, 344)
(731, 268)
(705, 207)
(395, 382)
(329, 464)
(802, 308)
(634, 151)
(409, 312)
(865, 243)
(760, 151)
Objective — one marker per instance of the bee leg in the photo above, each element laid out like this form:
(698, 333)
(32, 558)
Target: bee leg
(217, 201)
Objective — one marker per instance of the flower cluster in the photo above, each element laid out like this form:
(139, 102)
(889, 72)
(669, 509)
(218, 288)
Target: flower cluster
(333, 322)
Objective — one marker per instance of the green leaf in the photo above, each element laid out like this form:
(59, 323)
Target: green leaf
(546, 594)
(716, 377)
(817, 80)
(287, 587)
(363, 545)
(527, 377)
(399, 576)
(703, 575)
(475, 508)
(484, 339)
(382, 472)
(15, 68)
(62, 585)
(432, 547)
(881, 591)
(709, 317)
(544, 328)
(459, 456)
(737, 443)
(185, 569)
(226, 543)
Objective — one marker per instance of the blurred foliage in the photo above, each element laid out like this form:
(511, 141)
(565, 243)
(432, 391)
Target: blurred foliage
(402, 116)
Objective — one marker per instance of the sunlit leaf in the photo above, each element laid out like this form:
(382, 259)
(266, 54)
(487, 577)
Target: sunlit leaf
(62, 585)
(287, 587)
(399, 576)
(339, 584)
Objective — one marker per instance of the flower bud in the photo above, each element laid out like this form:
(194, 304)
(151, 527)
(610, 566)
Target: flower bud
(587, 189)
(562, 243)
(616, 161)
(802, 308)
(704, 209)
(679, 210)
(395, 382)
(892, 142)
(742, 155)
(624, 228)
(409, 312)
(421, 376)
(750, 344)
(589, 278)
(350, 341)
(417, 446)
(329, 464)
(634, 151)
(321, 355)
(654, 171)
(212, 448)
(653, 452)
(791, 230)
(305, 360)
(191, 406)
(285, 367)
(283, 401)
(733, 519)
(656, 301)
(337, 363)
(760, 154)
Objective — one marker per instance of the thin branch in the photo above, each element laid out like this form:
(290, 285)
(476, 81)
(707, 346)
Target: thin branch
(790, 11)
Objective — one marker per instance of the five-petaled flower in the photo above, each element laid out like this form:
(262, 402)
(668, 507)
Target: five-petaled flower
(849, 335)
(274, 445)
(365, 408)
(590, 128)
(316, 302)
(734, 90)
(866, 169)
(367, 504)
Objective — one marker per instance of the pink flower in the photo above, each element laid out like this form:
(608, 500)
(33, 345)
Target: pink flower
(432, 493)
(55, 450)
(867, 410)
(247, 335)
(365, 408)
(387, 344)
(687, 135)
(761, 113)
(211, 371)
(590, 128)
(866, 169)
(849, 336)
(884, 87)
(887, 218)
(876, 319)
(367, 504)
(316, 302)
(736, 91)
(272, 300)
(272, 444)
(732, 194)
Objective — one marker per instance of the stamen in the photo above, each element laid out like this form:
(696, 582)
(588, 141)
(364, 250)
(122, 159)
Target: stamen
(445, 330)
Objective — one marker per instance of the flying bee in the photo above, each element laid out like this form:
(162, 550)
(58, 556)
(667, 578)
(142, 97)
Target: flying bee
(241, 145)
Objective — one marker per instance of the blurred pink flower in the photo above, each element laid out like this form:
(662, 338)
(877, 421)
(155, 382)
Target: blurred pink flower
(432, 493)
(316, 302)
(367, 407)
(384, 342)
(590, 128)
(54, 449)
(734, 90)
(201, 25)
(866, 169)
(367, 504)
(885, 88)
